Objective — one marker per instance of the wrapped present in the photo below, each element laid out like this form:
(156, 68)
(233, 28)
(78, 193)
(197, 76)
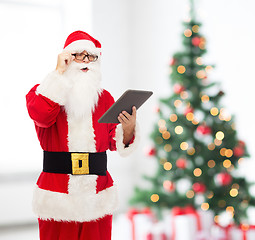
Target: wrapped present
(233, 232)
(158, 232)
(190, 224)
(162, 236)
(141, 223)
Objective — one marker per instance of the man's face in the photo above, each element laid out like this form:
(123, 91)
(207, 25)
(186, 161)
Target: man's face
(84, 57)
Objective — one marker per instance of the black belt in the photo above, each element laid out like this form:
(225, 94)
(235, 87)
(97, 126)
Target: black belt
(75, 163)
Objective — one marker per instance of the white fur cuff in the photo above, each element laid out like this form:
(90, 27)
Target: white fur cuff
(125, 151)
(55, 87)
(82, 207)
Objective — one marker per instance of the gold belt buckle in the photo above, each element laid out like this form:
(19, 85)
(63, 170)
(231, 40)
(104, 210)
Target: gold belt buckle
(80, 163)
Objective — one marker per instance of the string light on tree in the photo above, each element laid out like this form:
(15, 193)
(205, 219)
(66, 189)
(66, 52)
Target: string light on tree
(227, 163)
(210, 195)
(195, 28)
(181, 69)
(184, 95)
(228, 153)
(177, 103)
(154, 198)
(195, 140)
(217, 142)
(233, 192)
(202, 43)
(162, 129)
(178, 129)
(205, 206)
(173, 118)
(211, 163)
(190, 194)
(205, 98)
(187, 33)
(219, 135)
(197, 172)
(191, 151)
(230, 209)
(167, 166)
(222, 151)
(208, 69)
(168, 147)
(214, 111)
(199, 61)
(166, 135)
(184, 146)
(211, 146)
(190, 116)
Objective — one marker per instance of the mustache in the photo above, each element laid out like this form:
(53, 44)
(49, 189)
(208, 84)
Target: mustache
(79, 66)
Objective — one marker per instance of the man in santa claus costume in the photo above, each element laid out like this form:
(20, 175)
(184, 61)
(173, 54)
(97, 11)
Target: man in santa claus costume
(75, 196)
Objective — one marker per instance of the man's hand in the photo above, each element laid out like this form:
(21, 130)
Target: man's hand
(128, 124)
(64, 59)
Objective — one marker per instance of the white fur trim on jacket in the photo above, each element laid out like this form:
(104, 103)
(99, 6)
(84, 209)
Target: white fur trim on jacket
(81, 45)
(81, 204)
(55, 87)
(121, 149)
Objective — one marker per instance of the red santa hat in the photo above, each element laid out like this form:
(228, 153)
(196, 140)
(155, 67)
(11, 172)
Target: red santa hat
(79, 41)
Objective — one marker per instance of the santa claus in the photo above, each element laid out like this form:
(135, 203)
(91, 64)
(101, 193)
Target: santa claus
(75, 196)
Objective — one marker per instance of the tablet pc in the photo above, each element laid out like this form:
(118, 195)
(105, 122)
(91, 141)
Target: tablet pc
(128, 99)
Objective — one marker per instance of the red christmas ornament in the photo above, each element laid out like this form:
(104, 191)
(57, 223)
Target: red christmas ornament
(204, 130)
(188, 110)
(196, 41)
(168, 186)
(178, 88)
(151, 151)
(156, 109)
(224, 179)
(199, 187)
(238, 151)
(241, 143)
(163, 236)
(181, 163)
(173, 61)
(149, 236)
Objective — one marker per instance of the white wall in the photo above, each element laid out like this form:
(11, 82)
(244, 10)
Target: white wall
(139, 38)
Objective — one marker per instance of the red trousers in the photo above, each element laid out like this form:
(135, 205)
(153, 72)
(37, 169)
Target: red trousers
(95, 230)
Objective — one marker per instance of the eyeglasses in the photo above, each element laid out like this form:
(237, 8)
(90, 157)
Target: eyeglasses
(82, 56)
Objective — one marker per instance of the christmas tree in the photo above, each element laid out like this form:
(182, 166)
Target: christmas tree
(195, 141)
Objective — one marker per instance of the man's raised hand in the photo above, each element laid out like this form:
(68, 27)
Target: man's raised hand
(64, 59)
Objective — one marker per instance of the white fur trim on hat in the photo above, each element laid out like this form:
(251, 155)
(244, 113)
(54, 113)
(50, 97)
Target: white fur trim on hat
(81, 204)
(55, 87)
(81, 45)
(121, 149)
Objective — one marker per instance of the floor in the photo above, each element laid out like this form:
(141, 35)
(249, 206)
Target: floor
(21, 233)
(29, 232)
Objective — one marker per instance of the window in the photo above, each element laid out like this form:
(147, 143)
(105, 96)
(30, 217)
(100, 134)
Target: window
(32, 34)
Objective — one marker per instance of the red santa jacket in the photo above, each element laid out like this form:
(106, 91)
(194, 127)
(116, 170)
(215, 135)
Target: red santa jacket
(66, 197)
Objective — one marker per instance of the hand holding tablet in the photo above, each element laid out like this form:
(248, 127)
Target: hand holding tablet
(129, 99)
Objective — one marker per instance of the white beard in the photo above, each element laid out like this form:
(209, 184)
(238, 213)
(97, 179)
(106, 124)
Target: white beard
(85, 90)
